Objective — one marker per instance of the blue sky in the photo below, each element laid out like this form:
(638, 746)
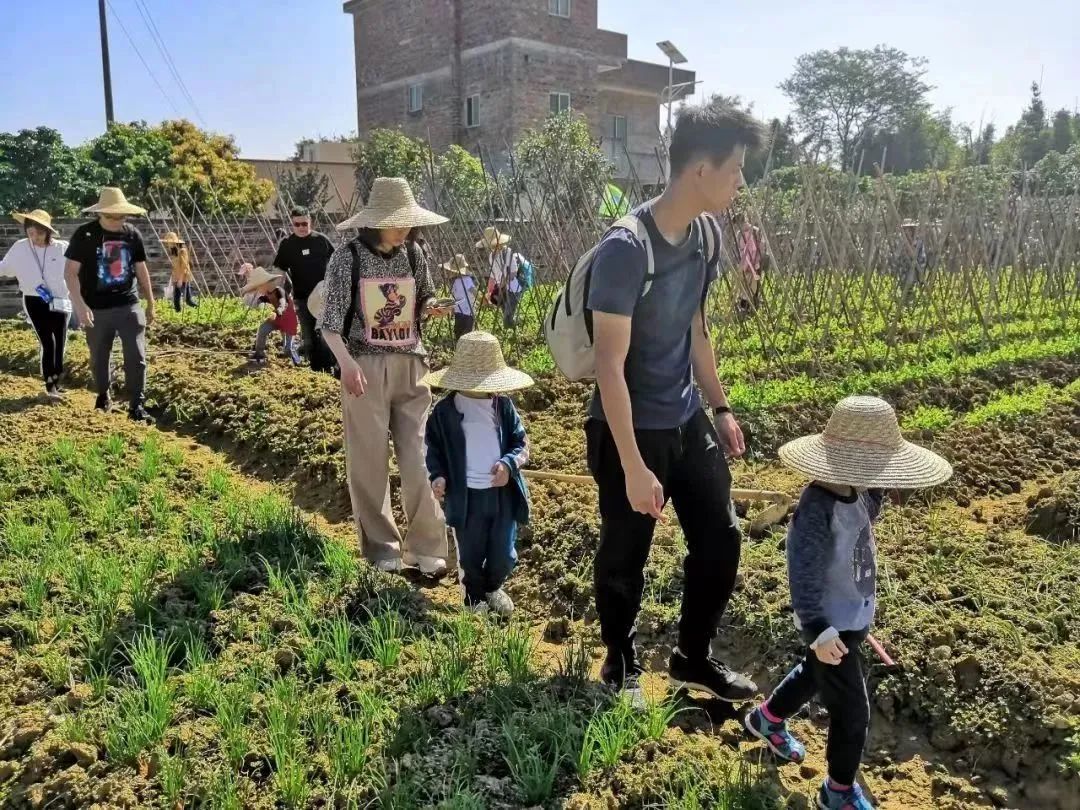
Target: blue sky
(273, 71)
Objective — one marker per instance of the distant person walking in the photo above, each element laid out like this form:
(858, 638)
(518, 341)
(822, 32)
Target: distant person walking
(463, 289)
(649, 436)
(504, 286)
(37, 263)
(378, 292)
(304, 255)
(749, 244)
(105, 260)
(182, 280)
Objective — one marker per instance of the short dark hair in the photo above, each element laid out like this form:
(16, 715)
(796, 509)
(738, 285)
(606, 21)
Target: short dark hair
(299, 211)
(713, 130)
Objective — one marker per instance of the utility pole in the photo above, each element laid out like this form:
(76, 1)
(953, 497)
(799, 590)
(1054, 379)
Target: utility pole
(106, 71)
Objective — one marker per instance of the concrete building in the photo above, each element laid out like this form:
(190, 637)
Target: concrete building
(480, 72)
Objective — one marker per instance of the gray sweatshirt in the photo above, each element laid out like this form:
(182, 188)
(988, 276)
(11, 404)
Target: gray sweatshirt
(832, 565)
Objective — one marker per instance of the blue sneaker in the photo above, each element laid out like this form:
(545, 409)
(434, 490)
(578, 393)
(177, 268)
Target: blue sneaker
(776, 736)
(850, 799)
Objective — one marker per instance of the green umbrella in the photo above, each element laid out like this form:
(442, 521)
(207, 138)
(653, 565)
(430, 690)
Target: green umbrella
(614, 204)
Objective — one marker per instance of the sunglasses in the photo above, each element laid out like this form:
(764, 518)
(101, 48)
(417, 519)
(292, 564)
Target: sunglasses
(301, 224)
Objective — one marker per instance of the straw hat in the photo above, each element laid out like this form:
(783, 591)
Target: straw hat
(316, 302)
(458, 265)
(862, 447)
(391, 205)
(493, 238)
(258, 277)
(36, 217)
(171, 238)
(113, 202)
(478, 366)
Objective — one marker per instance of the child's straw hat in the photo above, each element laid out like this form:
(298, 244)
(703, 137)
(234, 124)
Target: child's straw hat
(458, 266)
(478, 367)
(493, 238)
(171, 238)
(36, 217)
(391, 204)
(260, 276)
(862, 447)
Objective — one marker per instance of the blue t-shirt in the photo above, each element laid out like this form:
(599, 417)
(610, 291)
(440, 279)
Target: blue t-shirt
(658, 373)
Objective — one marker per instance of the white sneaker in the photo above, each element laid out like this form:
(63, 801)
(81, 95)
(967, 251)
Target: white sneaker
(500, 602)
(429, 566)
(390, 566)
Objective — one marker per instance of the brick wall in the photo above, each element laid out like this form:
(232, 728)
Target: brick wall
(220, 247)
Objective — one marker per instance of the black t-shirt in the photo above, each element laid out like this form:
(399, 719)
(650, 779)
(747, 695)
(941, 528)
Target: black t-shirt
(304, 259)
(107, 262)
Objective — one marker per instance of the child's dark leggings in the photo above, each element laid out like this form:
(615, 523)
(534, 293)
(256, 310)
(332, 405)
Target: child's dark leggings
(487, 543)
(842, 690)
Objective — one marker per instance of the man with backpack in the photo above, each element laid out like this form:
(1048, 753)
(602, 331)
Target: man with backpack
(649, 436)
(510, 274)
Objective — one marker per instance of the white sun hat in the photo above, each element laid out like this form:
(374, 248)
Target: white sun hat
(391, 204)
(862, 447)
(479, 367)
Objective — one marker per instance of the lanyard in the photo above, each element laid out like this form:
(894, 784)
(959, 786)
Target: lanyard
(40, 264)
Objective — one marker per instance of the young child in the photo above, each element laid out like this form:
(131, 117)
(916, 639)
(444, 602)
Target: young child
(463, 289)
(832, 569)
(182, 279)
(267, 286)
(476, 447)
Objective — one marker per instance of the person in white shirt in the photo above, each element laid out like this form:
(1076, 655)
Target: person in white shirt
(37, 263)
(463, 289)
(504, 285)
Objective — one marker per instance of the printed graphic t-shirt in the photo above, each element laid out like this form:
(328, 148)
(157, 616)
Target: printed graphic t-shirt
(107, 262)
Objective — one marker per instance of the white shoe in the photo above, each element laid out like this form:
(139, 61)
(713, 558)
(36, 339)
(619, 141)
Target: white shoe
(429, 566)
(390, 566)
(500, 602)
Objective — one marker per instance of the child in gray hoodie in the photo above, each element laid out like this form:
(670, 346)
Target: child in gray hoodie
(832, 570)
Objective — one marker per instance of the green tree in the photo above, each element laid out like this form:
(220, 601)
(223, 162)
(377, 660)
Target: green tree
(37, 170)
(461, 181)
(923, 141)
(134, 157)
(779, 152)
(390, 153)
(305, 186)
(564, 164)
(842, 97)
(207, 172)
(1062, 135)
(1059, 173)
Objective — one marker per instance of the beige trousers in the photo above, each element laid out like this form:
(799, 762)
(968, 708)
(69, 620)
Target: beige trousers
(396, 403)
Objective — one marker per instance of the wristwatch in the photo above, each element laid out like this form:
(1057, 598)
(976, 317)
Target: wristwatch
(721, 409)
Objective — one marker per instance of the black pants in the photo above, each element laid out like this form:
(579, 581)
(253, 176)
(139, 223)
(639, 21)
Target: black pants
(842, 689)
(691, 466)
(51, 329)
(317, 351)
(182, 292)
(463, 324)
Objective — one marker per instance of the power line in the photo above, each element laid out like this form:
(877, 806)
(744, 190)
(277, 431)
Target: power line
(163, 49)
(138, 53)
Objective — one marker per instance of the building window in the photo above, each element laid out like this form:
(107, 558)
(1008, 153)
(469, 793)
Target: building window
(416, 98)
(559, 102)
(559, 8)
(618, 128)
(472, 111)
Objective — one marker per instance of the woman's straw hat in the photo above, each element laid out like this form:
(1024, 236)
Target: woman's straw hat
(478, 367)
(493, 238)
(171, 238)
(316, 302)
(458, 265)
(258, 277)
(36, 217)
(391, 205)
(862, 447)
(113, 202)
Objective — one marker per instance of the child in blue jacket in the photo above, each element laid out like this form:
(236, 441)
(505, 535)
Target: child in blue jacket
(832, 572)
(476, 448)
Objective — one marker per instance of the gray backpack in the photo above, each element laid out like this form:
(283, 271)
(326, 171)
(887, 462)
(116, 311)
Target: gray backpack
(568, 326)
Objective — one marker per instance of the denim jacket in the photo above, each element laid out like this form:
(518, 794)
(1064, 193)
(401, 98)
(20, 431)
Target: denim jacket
(446, 456)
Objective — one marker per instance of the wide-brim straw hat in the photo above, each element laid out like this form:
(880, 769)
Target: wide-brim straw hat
(478, 367)
(458, 265)
(391, 204)
(493, 238)
(316, 302)
(36, 217)
(862, 447)
(112, 201)
(258, 277)
(172, 238)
